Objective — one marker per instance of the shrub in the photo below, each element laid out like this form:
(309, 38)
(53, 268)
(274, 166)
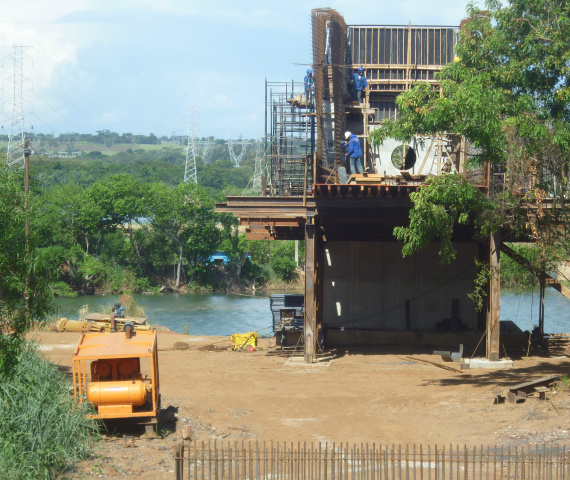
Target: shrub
(282, 260)
(42, 430)
(62, 289)
(284, 267)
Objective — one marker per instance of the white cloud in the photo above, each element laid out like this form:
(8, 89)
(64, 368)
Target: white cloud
(136, 65)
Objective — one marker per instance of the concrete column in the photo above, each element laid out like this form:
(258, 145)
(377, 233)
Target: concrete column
(310, 330)
(494, 310)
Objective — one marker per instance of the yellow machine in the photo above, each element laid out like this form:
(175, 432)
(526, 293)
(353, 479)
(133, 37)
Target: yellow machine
(108, 371)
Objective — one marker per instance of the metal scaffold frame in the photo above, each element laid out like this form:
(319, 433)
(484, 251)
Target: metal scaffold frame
(289, 139)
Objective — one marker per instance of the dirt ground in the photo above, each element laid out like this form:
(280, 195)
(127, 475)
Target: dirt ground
(354, 396)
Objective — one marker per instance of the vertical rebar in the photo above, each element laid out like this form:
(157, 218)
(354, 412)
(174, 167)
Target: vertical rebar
(421, 462)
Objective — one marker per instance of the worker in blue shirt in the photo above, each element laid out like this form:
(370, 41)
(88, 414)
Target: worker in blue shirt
(359, 84)
(309, 84)
(354, 152)
(117, 312)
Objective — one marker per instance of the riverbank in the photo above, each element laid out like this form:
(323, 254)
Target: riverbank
(361, 395)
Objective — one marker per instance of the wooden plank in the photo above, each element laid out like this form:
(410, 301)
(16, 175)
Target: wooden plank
(435, 364)
(494, 308)
(310, 329)
(549, 280)
(529, 386)
(426, 156)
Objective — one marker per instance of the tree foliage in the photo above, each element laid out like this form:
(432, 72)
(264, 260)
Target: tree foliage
(444, 201)
(508, 93)
(511, 75)
(25, 271)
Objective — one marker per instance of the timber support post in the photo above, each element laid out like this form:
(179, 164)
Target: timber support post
(494, 304)
(310, 330)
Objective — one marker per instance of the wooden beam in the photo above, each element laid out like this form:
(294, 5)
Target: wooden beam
(310, 329)
(494, 307)
(539, 272)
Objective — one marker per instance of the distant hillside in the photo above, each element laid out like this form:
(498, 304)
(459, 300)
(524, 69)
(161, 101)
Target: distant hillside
(83, 159)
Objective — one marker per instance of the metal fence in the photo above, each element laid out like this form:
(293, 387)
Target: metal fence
(256, 461)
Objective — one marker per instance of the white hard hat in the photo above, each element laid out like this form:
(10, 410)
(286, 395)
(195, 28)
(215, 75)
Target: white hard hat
(346, 135)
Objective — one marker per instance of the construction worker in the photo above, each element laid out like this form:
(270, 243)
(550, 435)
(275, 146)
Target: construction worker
(353, 152)
(309, 84)
(359, 84)
(117, 311)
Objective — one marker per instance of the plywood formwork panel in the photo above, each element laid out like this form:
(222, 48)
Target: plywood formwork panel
(383, 45)
(366, 285)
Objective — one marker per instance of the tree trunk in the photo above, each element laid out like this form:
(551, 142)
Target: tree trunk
(135, 247)
(179, 269)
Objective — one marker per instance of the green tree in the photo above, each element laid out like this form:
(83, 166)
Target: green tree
(445, 201)
(282, 259)
(185, 216)
(119, 203)
(26, 271)
(508, 92)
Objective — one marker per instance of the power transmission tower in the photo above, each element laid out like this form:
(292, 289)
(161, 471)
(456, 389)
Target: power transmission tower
(237, 158)
(205, 147)
(257, 169)
(16, 140)
(190, 168)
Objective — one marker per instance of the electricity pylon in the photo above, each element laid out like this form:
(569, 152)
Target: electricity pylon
(257, 169)
(205, 147)
(190, 167)
(16, 140)
(235, 157)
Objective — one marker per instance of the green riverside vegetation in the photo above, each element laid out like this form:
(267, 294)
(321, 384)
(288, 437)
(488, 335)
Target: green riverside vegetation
(116, 217)
(42, 430)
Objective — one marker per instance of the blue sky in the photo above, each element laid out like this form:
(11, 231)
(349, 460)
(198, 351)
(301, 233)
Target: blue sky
(137, 65)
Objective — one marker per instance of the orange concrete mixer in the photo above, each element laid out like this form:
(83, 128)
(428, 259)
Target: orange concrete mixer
(118, 374)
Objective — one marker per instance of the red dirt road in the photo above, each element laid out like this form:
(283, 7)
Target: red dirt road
(355, 396)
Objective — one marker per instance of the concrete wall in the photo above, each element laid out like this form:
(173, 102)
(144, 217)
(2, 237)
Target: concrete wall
(366, 285)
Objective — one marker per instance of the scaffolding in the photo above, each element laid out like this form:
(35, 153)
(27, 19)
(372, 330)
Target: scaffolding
(304, 137)
(289, 139)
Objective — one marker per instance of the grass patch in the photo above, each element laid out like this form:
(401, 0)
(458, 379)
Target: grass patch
(43, 431)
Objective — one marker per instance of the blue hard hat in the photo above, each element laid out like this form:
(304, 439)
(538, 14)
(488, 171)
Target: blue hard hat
(309, 71)
(361, 69)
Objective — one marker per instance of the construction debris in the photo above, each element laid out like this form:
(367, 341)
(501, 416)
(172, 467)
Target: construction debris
(102, 325)
(435, 364)
(519, 393)
(451, 355)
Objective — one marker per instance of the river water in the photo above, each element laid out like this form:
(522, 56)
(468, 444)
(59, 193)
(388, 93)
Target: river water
(195, 313)
(226, 314)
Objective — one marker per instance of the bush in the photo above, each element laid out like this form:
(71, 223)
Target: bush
(282, 260)
(62, 289)
(284, 267)
(42, 430)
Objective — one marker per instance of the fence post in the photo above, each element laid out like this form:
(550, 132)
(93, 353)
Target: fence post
(215, 459)
(179, 461)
